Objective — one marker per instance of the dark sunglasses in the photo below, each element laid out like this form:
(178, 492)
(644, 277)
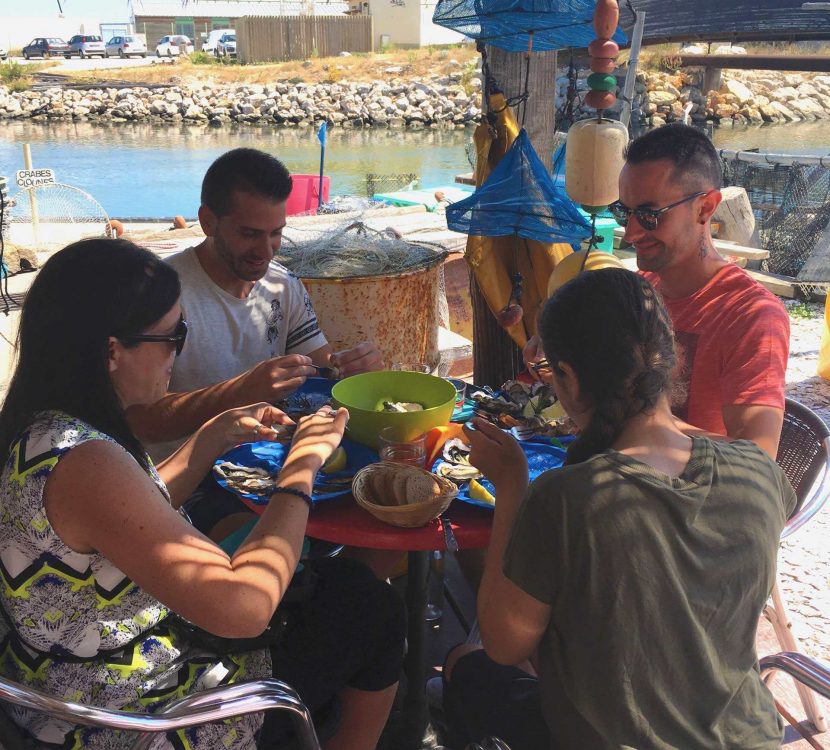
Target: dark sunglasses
(178, 337)
(648, 217)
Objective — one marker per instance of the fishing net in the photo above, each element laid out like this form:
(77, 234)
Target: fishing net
(49, 217)
(387, 183)
(512, 24)
(519, 198)
(353, 250)
(792, 211)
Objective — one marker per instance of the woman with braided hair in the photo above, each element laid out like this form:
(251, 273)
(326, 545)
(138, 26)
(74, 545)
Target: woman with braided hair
(633, 577)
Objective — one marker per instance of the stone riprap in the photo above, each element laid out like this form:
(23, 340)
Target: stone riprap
(754, 96)
(440, 101)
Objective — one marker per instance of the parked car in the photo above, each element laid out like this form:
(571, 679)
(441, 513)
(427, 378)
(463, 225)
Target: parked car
(173, 45)
(84, 45)
(226, 46)
(212, 39)
(124, 46)
(4, 53)
(46, 47)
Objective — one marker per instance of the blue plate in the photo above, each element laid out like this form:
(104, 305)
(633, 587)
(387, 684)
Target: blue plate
(540, 458)
(270, 456)
(311, 395)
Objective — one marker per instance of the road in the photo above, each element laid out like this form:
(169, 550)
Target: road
(95, 63)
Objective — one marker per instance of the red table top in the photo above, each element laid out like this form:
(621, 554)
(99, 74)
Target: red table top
(343, 521)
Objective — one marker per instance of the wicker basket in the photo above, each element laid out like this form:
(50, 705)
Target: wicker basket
(387, 482)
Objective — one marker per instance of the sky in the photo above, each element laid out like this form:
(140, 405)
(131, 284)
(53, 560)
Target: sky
(106, 10)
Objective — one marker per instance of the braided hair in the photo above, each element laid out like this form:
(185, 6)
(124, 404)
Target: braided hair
(610, 326)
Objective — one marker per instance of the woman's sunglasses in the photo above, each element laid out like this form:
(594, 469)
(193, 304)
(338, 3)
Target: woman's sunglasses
(178, 337)
(648, 217)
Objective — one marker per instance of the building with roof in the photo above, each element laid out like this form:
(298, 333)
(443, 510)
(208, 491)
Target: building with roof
(196, 19)
(404, 23)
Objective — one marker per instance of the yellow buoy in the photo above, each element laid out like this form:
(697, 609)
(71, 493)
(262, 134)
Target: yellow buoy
(571, 265)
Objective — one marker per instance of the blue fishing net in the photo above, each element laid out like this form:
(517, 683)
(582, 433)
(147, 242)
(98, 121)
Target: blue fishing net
(505, 23)
(519, 198)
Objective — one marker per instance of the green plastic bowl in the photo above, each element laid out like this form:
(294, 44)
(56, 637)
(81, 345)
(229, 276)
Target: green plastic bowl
(363, 395)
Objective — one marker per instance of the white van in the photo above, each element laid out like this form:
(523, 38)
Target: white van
(209, 45)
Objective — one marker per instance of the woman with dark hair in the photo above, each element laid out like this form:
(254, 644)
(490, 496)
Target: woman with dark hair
(633, 577)
(95, 558)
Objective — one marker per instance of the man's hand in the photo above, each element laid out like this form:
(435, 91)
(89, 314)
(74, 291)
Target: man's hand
(364, 357)
(532, 354)
(276, 378)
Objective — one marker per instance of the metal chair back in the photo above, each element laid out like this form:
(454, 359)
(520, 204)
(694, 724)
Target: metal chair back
(804, 455)
(199, 708)
(810, 672)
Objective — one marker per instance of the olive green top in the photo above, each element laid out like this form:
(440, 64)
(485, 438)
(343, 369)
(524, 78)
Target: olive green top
(656, 585)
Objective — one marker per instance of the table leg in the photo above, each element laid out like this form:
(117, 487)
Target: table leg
(415, 709)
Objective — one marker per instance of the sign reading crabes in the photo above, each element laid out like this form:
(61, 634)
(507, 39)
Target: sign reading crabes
(29, 178)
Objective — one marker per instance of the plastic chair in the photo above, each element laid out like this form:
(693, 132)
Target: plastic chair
(806, 672)
(192, 710)
(804, 455)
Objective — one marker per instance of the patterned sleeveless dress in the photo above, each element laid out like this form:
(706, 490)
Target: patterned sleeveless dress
(74, 626)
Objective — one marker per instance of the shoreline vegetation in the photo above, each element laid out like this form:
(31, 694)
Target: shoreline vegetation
(413, 89)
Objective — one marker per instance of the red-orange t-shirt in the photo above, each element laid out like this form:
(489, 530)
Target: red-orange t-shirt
(733, 339)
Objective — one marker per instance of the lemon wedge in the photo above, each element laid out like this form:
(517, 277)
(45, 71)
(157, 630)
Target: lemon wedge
(336, 462)
(477, 491)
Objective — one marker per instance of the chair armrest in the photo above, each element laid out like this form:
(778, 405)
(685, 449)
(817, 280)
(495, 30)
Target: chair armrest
(810, 672)
(200, 708)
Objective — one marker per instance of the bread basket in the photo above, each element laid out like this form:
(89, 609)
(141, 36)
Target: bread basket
(402, 495)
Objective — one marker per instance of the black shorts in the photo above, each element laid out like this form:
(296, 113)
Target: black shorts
(485, 699)
(349, 633)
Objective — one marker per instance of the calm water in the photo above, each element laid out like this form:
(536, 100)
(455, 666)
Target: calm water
(142, 170)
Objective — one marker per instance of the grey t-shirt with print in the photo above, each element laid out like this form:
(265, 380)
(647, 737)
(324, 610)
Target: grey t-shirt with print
(227, 336)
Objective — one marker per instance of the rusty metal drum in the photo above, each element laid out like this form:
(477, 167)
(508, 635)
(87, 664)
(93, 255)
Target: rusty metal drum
(399, 311)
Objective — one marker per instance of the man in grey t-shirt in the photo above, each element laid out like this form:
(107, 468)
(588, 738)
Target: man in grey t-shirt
(253, 332)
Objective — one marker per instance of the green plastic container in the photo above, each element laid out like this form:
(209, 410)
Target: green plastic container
(606, 224)
(363, 395)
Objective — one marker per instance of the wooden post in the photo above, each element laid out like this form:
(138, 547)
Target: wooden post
(711, 79)
(496, 358)
(27, 163)
(734, 214)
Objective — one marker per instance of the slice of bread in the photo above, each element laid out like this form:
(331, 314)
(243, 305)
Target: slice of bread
(383, 486)
(421, 487)
(399, 484)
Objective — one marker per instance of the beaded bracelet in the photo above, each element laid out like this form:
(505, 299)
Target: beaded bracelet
(297, 493)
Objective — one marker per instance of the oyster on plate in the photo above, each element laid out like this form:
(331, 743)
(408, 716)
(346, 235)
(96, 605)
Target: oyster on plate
(520, 404)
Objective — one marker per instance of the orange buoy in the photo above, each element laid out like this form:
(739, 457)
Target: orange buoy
(603, 64)
(179, 222)
(606, 18)
(116, 228)
(603, 48)
(600, 100)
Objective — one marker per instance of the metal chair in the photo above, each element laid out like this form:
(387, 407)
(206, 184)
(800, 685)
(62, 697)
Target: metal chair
(200, 708)
(806, 672)
(804, 455)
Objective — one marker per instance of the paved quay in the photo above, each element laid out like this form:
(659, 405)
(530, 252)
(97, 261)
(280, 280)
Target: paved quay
(804, 559)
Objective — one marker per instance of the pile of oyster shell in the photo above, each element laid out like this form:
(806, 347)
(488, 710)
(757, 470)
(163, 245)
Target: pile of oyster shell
(520, 404)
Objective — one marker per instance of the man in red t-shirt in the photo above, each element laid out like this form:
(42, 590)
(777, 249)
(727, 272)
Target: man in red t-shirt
(732, 334)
